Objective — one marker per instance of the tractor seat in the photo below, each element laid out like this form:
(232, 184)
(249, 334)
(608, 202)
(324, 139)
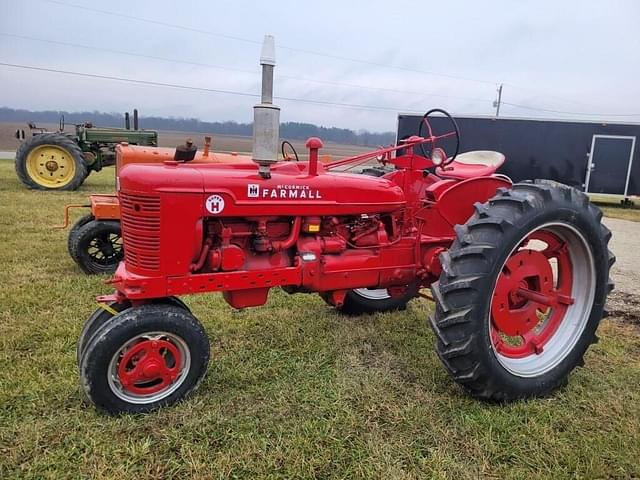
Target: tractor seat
(478, 163)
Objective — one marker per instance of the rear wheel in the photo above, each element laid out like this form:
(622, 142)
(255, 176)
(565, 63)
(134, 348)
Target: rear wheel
(522, 291)
(372, 300)
(51, 161)
(144, 358)
(97, 246)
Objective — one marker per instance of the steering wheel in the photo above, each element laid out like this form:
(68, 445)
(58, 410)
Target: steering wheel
(425, 122)
(284, 153)
(62, 123)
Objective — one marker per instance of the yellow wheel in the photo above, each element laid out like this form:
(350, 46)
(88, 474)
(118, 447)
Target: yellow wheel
(50, 166)
(51, 161)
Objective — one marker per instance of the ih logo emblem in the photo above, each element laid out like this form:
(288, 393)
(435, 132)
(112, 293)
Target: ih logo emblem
(215, 204)
(253, 190)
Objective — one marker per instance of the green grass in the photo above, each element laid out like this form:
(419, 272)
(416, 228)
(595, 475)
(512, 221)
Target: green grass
(632, 214)
(612, 207)
(293, 390)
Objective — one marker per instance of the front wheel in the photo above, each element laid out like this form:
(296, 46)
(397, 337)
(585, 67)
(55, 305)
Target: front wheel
(104, 312)
(522, 291)
(144, 358)
(96, 246)
(73, 232)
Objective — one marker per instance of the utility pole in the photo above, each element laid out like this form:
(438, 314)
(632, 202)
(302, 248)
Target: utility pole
(496, 103)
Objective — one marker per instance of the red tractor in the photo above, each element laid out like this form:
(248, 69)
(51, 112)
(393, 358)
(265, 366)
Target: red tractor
(95, 240)
(519, 273)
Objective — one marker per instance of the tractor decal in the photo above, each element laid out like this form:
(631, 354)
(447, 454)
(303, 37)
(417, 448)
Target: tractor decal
(283, 192)
(253, 190)
(215, 204)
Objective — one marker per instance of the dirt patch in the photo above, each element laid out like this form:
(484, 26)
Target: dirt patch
(624, 306)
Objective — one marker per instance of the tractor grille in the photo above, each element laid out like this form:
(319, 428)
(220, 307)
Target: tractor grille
(140, 216)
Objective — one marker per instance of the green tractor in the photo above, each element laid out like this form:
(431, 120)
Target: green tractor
(61, 161)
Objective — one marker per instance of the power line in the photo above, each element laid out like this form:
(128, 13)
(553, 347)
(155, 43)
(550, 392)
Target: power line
(155, 22)
(233, 69)
(131, 54)
(546, 95)
(258, 42)
(300, 50)
(203, 89)
(564, 112)
(289, 99)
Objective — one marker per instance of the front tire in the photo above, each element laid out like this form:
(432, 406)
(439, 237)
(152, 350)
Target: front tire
(73, 232)
(144, 358)
(105, 312)
(97, 246)
(522, 291)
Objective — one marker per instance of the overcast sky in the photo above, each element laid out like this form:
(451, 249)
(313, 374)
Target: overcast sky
(569, 56)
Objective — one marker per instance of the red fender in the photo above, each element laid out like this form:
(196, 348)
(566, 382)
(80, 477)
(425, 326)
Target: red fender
(454, 205)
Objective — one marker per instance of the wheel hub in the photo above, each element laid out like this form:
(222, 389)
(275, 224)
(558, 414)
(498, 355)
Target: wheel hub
(513, 312)
(51, 165)
(531, 296)
(105, 249)
(149, 367)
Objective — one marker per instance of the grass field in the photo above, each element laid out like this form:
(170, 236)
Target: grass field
(293, 390)
(611, 207)
(632, 214)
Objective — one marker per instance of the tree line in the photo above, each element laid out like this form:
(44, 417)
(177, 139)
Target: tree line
(291, 130)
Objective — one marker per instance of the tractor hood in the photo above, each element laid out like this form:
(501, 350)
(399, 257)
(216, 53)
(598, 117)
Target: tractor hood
(127, 154)
(236, 189)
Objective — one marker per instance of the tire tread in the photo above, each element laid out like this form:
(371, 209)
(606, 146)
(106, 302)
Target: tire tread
(474, 252)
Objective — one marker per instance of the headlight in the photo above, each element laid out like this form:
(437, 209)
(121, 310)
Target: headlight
(438, 156)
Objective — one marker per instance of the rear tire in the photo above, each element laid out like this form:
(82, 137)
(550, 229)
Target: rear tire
(369, 300)
(144, 358)
(511, 321)
(50, 161)
(97, 246)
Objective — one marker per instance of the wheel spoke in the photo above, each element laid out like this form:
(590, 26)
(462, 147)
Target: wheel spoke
(533, 343)
(129, 377)
(554, 247)
(550, 299)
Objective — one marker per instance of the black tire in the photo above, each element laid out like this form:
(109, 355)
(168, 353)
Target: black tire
(61, 141)
(462, 321)
(361, 301)
(73, 232)
(101, 315)
(95, 321)
(109, 346)
(97, 246)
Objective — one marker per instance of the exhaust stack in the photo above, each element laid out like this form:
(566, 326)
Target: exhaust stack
(266, 115)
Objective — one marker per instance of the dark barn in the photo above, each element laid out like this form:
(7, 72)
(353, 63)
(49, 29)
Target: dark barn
(553, 149)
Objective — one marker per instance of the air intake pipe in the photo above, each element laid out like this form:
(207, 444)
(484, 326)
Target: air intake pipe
(266, 115)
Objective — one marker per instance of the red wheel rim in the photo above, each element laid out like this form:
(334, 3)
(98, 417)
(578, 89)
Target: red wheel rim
(531, 296)
(149, 367)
